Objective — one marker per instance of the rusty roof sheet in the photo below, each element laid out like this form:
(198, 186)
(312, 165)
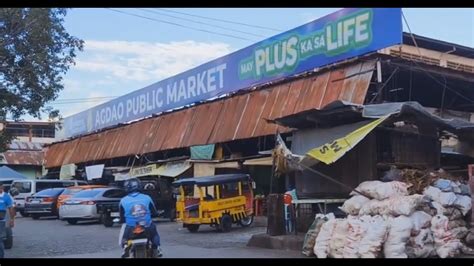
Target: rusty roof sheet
(23, 157)
(236, 117)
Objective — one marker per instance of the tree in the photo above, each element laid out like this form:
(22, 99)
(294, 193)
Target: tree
(35, 53)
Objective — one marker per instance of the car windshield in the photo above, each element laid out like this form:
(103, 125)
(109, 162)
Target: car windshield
(89, 193)
(23, 187)
(49, 192)
(72, 191)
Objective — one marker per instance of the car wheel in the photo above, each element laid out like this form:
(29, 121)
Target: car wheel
(71, 221)
(246, 222)
(108, 221)
(24, 214)
(226, 223)
(35, 216)
(193, 228)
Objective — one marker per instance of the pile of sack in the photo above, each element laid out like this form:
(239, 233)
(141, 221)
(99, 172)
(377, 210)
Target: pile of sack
(384, 220)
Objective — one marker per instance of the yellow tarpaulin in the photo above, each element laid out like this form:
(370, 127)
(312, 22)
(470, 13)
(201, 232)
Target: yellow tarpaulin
(331, 152)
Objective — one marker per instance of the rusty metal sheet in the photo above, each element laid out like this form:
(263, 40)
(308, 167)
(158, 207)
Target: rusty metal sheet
(17, 157)
(362, 84)
(221, 131)
(318, 90)
(251, 115)
(263, 126)
(304, 94)
(138, 130)
(236, 117)
(230, 121)
(294, 91)
(151, 137)
(202, 123)
(334, 87)
(177, 125)
(349, 82)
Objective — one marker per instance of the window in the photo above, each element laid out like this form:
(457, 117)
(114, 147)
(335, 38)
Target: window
(72, 191)
(18, 131)
(115, 193)
(23, 187)
(88, 193)
(50, 192)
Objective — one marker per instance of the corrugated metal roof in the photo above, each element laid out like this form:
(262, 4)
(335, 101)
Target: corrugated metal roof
(237, 117)
(23, 157)
(26, 146)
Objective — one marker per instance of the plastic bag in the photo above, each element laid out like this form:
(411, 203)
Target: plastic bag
(420, 221)
(393, 174)
(446, 244)
(444, 198)
(459, 232)
(422, 245)
(465, 189)
(352, 206)
(310, 238)
(321, 246)
(456, 223)
(464, 203)
(382, 190)
(399, 233)
(452, 213)
(447, 186)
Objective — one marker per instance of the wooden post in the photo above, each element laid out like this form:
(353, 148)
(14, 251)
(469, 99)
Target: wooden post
(276, 215)
(470, 169)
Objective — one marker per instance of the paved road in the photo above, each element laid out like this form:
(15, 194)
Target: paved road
(54, 238)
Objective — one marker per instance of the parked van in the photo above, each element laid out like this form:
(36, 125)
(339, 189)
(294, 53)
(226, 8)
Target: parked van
(29, 187)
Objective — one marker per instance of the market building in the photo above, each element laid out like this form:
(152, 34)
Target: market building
(235, 130)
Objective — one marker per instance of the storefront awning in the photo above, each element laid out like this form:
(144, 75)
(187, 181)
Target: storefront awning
(173, 169)
(266, 161)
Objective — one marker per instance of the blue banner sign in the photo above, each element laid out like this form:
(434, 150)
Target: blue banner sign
(341, 35)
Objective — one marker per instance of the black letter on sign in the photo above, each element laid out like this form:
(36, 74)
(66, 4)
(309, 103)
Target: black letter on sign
(335, 147)
(324, 149)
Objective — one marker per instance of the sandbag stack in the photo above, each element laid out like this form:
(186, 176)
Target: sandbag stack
(386, 219)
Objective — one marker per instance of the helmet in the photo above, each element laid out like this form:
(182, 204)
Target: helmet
(132, 185)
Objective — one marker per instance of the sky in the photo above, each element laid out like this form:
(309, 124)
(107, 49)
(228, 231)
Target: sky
(124, 53)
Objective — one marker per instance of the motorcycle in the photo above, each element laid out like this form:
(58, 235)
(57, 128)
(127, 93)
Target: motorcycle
(139, 245)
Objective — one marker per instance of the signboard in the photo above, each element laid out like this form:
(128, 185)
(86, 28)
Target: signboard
(67, 171)
(331, 152)
(341, 35)
(94, 171)
(151, 169)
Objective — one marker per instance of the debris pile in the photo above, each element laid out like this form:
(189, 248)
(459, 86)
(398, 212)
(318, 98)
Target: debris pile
(418, 214)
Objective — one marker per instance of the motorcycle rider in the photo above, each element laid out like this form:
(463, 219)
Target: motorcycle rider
(137, 208)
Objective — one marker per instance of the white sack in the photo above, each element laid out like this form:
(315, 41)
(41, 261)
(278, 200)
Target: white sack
(399, 233)
(352, 206)
(382, 190)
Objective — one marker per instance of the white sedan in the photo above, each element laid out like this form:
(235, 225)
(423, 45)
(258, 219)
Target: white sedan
(83, 205)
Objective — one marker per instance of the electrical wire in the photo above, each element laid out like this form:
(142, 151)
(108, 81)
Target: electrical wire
(426, 72)
(222, 20)
(180, 25)
(199, 22)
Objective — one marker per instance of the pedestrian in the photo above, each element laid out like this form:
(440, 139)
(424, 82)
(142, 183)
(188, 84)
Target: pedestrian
(6, 204)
